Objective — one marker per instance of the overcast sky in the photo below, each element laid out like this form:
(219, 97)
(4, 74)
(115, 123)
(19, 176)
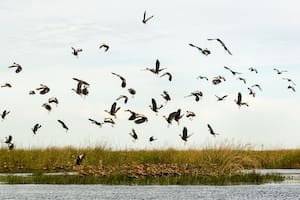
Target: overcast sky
(39, 35)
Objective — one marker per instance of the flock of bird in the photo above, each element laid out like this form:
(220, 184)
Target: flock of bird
(82, 89)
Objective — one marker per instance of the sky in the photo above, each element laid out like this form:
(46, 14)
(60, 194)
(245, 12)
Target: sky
(39, 34)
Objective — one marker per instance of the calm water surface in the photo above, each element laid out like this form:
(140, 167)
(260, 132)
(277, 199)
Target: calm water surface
(75, 192)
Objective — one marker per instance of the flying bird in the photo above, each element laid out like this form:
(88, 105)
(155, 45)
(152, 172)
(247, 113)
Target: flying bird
(152, 138)
(217, 80)
(105, 46)
(76, 51)
(157, 68)
(222, 43)
(82, 86)
(221, 98)
(17, 66)
(202, 77)
(141, 119)
(47, 106)
(146, 19)
(96, 122)
(233, 72)
(31, 92)
(178, 115)
(239, 102)
(289, 80)
(279, 71)
(253, 70)
(203, 51)
(11, 146)
(211, 131)
(36, 127)
(251, 92)
(132, 91)
(197, 94)
(170, 117)
(167, 74)
(53, 100)
(113, 109)
(6, 85)
(184, 136)
(122, 97)
(123, 84)
(166, 96)
(190, 114)
(133, 135)
(63, 125)
(43, 89)
(79, 159)
(257, 85)
(8, 139)
(154, 106)
(4, 114)
(109, 121)
(242, 79)
(292, 88)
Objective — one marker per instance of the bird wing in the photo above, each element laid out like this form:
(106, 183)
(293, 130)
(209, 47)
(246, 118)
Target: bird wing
(184, 132)
(154, 105)
(113, 107)
(210, 129)
(157, 65)
(144, 17)
(239, 100)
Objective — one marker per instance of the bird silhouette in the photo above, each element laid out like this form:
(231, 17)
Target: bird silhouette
(157, 68)
(202, 77)
(109, 120)
(279, 71)
(31, 92)
(242, 79)
(167, 74)
(47, 106)
(113, 109)
(217, 80)
(76, 51)
(8, 139)
(166, 96)
(17, 66)
(253, 70)
(184, 136)
(239, 102)
(96, 122)
(82, 86)
(154, 106)
(290, 80)
(152, 138)
(292, 88)
(221, 98)
(36, 127)
(53, 100)
(4, 114)
(146, 19)
(197, 94)
(257, 85)
(170, 117)
(233, 72)
(211, 131)
(133, 134)
(8, 85)
(123, 84)
(105, 46)
(11, 146)
(205, 51)
(190, 114)
(178, 115)
(63, 125)
(79, 159)
(222, 43)
(123, 97)
(43, 89)
(132, 91)
(251, 92)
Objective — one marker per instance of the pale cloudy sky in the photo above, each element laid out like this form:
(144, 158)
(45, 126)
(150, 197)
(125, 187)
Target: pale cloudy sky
(39, 35)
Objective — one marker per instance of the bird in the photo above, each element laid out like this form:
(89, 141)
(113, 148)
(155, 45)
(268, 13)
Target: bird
(167, 74)
(154, 106)
(222, 43)
(44, 89)
(8, 139)
(133, 134)
(253, 70)
(242, 79)
(146, 19)
(211, 131)
(76, 51)
(11, 146)
(109, 121)
(132, 91)
(292, 88)
(205, 51)
(141, 119)
(79, 159)
(31, 92)
(190, 114)
(53, 100)
(17, 66)
(123, 97)
(105, 46)
(178, 115)
(6, 85)
(152, 138)
(233, 72)
(4, 114)
(279, 71)
(257, 85)
(251, 92)
(157, 68)
(82, 86)
(166, 96)
(63, 125)
(170, 117)
(221, 98)
(123, 84)
(36, 127)
(133, 115)
(185, 135)
(197, 94)
(96, 122)
(217, 80)
(47, 106)
(113, 109)
(202, 77)
(290, 80)
(239, 102)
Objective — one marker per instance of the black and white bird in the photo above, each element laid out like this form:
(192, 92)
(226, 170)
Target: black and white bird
(123, 97)
(105, 46)
(152, 138)
(63, 125)
(222, 43)
(170, 117)
(79, 159)
(95, 122)
(76, 51)
(166, 96)
(279, 71)
(184, 136)
(242, 79)
(211, 131)
(154, 107)
(17, 66)
(167, 74)
(233, 72)
(43, 89)
(221, 98)
(252, 69)
(123, 84)
(113, 109)
(251, 92)
(109, 120)
(239, 102)
(202, 77)
(4, 114)
(8, 139)
(53, 100)
(133, 134)
(205, 51)
(190, 114)
(197, 94)
(132, 91)
(145, 18)
(47, 106)
(157, 68)
(35, 128)
(258, 86)
(8, 85)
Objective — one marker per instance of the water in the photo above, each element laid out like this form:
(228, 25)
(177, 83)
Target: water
(74, 192)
